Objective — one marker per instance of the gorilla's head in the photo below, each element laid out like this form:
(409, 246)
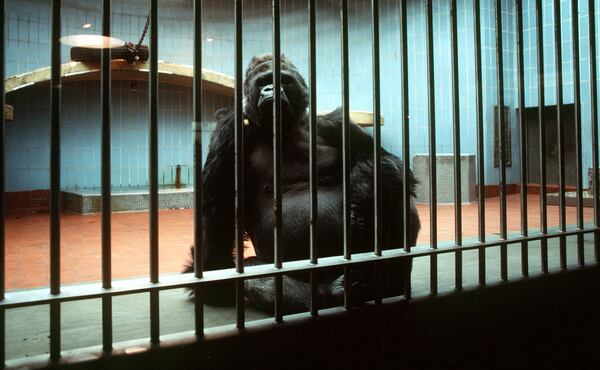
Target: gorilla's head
(258, 92)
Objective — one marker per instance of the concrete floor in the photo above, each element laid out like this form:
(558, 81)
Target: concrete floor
(27, 328)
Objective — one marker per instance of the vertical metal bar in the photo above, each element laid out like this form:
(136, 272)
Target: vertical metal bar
(577, 104)
(154, 317)
(522, 139)
(2, 334)
(346, 150)
(55, 333)
(2, 169)
(239, 164)
(55, 153)
(314, 205)
(500, 72)
(406, 190)
(55, 181)
(153, 141)
(594, 122)
(277, 158)
(480, 139)
(542, 132)
(106, 160)
(2, 189)
(106, 164)
(197, 93)
(561, 140)
(107, 332)
(456, 129)
(377, 140)
(376, 130)
(154, 298)
(432, 148)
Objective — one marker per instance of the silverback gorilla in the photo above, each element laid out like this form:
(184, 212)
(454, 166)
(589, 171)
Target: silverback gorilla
(218, 197)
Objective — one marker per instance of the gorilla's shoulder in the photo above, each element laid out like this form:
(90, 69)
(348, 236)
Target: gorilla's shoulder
(335, 115)
(225, 114)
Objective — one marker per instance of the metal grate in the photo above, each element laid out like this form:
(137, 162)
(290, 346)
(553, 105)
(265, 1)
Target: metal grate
(58, 294)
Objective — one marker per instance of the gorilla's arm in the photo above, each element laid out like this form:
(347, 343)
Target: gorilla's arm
(218, 195)
(260, 292)
(329, 127)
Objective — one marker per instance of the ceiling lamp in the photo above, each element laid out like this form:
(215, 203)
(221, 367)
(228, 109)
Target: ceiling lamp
(92, 41)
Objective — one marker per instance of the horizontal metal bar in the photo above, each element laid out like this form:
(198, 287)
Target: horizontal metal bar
(141, 285)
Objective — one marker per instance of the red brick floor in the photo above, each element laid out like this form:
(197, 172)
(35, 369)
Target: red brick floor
(27, 239)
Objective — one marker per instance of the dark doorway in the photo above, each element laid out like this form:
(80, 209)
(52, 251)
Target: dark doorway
(551, 129)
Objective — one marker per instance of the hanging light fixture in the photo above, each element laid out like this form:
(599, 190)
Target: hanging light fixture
(92, 41)
(86, 48)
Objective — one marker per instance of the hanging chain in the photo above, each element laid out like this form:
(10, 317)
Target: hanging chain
(144, 32)
(133, 48)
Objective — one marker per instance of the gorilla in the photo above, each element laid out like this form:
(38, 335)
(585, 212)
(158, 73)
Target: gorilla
(218, 198)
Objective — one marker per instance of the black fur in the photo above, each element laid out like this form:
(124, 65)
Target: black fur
(218, 197)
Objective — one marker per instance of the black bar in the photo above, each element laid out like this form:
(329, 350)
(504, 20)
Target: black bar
(542, 133)
(277, 216)
(240, 304)
(153, 141)
(154, 317)
(562, 224)
(376, 130)
(500, 72)
(346, 150)
(55, 182)
(199, 310)
(105, 89)
(55, 152)
(594, 123)
(106, 160)
(432, 148)
(197, 93)
(107, 336)
(239, 163)
(55, 333)
(154, 308)
(314, 205)
(2, 332)
(480, 139)
(277, 134)
(377, 145)
(577, 104)
(2, 172)
(456, 129)
(406, 189)
(522, 139)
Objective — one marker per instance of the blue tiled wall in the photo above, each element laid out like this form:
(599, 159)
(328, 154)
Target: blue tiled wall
(28, 147)
(27, 49)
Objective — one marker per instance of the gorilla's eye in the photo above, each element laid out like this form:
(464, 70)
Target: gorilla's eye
(287, 79)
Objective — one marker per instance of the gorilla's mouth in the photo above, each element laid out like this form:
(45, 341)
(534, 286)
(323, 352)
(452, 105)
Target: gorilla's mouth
(265, 102)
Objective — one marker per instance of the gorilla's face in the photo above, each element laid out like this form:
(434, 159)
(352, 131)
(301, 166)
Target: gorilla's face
(259, 93)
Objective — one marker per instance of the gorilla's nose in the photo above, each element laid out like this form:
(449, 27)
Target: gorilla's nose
(267, 91)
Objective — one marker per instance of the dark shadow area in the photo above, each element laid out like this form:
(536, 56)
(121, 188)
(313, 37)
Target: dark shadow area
(536, 323)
